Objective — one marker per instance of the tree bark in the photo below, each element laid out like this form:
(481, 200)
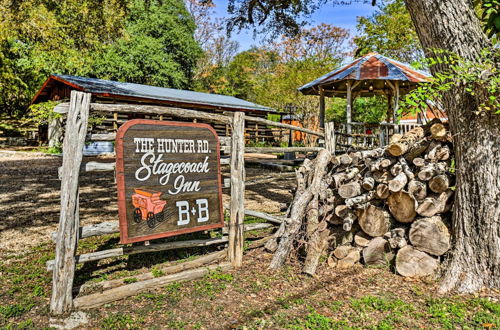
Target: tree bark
(475, 263)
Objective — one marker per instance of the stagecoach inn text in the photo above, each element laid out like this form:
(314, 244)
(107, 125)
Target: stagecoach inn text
(152, 162)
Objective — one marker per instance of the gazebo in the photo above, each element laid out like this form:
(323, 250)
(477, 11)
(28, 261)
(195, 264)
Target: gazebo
(372, 74)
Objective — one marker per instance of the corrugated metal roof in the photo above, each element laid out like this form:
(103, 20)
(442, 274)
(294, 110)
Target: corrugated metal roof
(116, 88)
(372, 66)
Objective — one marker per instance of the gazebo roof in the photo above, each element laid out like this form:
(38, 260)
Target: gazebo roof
(372, 67)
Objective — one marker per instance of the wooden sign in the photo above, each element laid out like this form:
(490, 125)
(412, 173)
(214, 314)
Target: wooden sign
(168, 177)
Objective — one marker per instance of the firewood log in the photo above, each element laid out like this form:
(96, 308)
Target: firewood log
(373, 153)
(349, 174)
(395, 138)
(331, 261)
(434, 204)
(417, 149)
(439, 183)
(341, 210)
(316, 247)
(396, 169)
(411, 262)
(350, 190)
(368, 181)
(430, 235)
(397, 238)
(417, 189)
(345, 159)
(350, 260)
(403, 145)
(302, 175)
(374, 221)
(355, 157)
(382, 176)
(361, 199)
(382, 191)
(430, 153)
(375, 165)
(443, 153)
(378, 252)
(333, 219)
(438, 131)
(402, 206)
(340, 237)
(349, 219)
(398, 232)
(361, 239)
(343, 251)
(386, 162)
(397, 242)
(431, 170)
(398, 183)
(418, 162)
(406, 169)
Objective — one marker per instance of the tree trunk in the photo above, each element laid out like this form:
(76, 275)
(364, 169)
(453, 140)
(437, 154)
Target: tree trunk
(475, 263)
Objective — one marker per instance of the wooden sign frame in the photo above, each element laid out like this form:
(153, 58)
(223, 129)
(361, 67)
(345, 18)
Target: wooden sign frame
(121, 184)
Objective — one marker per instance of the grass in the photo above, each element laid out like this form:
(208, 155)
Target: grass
(251, 298)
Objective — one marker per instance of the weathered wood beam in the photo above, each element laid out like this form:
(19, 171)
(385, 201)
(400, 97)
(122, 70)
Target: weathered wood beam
(152, 109)
(166, 270)
(101, 298)
(112, 227)
(349, 111)
(321, 107)
(273, 150)
(237, 207)
(330, 137)
(278, 124)
(67, 236)
(131, 250)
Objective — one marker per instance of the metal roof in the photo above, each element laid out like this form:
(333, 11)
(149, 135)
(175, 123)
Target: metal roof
(116, 89)
(372, 66)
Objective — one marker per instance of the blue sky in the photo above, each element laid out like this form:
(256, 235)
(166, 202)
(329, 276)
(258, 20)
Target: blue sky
(340, 15)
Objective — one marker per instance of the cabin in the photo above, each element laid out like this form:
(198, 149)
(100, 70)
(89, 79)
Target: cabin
(59, 87)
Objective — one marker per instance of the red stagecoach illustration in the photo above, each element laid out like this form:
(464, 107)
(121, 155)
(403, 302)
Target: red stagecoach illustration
(148, 206)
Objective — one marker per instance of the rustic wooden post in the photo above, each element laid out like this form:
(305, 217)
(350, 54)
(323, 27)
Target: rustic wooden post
(321, 107)
(67, 234)
(55, 132)
(396, 107)
(115, 121)
(237, 207)
(381, 136)
(330, 137)
(349, 113)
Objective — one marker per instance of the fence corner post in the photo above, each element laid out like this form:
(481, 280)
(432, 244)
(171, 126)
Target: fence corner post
(67, 233)
(330, 137)
(237, 207)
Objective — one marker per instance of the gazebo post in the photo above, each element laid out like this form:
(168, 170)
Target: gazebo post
(348, 111)
(321, 107)
(389, 107)
(396, 106)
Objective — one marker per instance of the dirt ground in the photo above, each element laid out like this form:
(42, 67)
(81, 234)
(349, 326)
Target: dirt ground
(29, 196)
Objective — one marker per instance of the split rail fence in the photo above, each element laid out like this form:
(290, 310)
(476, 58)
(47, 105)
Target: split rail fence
(70, 232)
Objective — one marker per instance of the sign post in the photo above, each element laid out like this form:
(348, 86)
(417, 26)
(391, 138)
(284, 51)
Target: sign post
(169, 179)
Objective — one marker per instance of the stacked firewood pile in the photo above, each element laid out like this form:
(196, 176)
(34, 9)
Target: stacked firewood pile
(387, 206)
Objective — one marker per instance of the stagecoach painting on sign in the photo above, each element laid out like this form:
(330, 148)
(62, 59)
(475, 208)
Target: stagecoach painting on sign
(168, 178)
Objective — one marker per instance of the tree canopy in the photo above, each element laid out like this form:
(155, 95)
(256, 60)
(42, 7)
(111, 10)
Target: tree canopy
(389, 31)
(148, 42)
